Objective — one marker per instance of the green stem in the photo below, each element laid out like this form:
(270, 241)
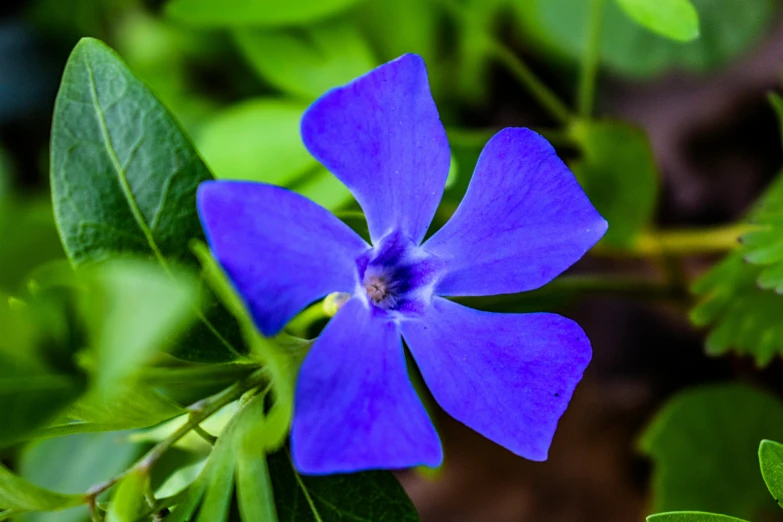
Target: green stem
(199, 412)
(530, 81)
(590, 60)
(680, 242)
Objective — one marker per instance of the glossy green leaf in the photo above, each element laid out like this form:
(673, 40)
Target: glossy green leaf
(244, 13)
(675, 19)
(738, 299)
(134, 309)
(124, 179)
(128, 503)
(771, 461)
(703, 444)
(259, 140)
(618, 173)
(728, 28)
(691, 516)
(373, 496)
(19, 495)
(310, 61)
(73, 464)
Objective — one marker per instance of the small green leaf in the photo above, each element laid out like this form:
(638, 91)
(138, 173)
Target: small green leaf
(703, 445)
(691, 516)
(771, 461)
(124, 180)
(619, 175)
(229, 143)
(675, 19)
(310, 61)
(764, 247)
(740, 299)
(73, 464)
(728, 28)
(19, 495)
(128, 503)
(134, 309)
(244, 13)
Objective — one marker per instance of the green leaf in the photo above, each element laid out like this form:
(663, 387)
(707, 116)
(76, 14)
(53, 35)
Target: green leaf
(310, 61)
(244, 13)
(128, 503)
(29, 238)
(124, 179)
(254, 485)
(742, 316)
(771, 461)
(35, 383)
(736, 296)
(259, 140)
(703, 445)
(764, 247)
(254, 488)
(19, 495)
(73, 464)
(691, 516)
(675, 19)
(618, 173)
(133, 309)
(728, 28)
(373, 496)
(381, 19)
(130, 406)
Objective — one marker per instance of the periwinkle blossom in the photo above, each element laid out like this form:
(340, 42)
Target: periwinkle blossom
(523, 220)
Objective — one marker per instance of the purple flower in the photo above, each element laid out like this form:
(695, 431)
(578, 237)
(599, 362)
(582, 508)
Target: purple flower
(523, 220)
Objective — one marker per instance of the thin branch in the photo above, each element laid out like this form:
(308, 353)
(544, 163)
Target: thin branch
(587, 79)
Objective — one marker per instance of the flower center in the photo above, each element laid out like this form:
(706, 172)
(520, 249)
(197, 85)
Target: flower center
(380, 291)
(396, 275)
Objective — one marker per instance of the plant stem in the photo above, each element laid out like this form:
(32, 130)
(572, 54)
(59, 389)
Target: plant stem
(549, 100)
(589, 72)
(199, 412)
(680, 242)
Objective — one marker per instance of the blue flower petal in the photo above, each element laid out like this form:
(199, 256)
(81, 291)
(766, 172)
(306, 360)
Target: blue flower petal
(381, 135)
(355, 408)
(280, 250)
(507, 376)
(523, 220)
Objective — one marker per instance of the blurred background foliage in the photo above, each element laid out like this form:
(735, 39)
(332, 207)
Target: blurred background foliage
(682, 160)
